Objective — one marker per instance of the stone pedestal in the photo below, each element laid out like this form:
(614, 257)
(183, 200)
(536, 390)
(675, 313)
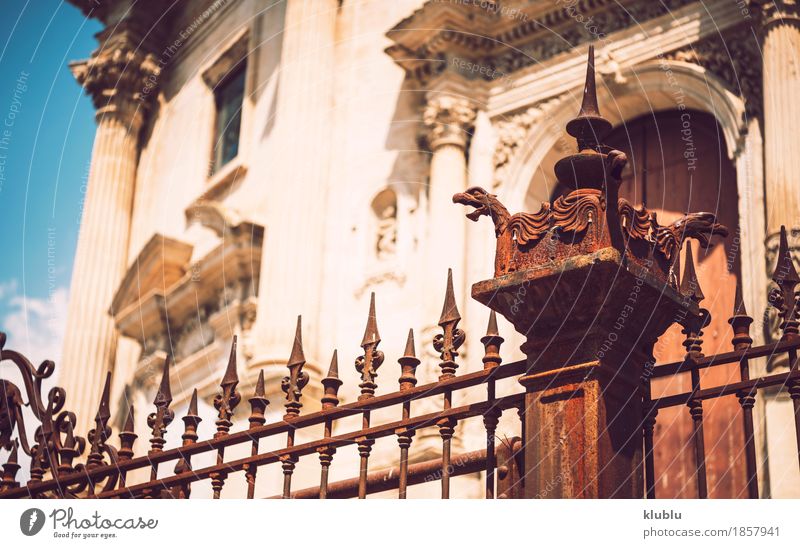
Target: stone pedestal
(590, 330)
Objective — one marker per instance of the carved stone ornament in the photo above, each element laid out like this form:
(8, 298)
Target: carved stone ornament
(735, 57)
(514, 130)
(120, 76)
(448, 120)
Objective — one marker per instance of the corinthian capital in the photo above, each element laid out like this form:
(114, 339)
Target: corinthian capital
(778, 11)
(448, 120)
(120, 77)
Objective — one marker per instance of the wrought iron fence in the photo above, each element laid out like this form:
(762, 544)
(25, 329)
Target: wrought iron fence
(104, 474)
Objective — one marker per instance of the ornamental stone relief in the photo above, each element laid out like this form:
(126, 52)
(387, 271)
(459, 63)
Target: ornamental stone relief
(513, 131)
(735, 58)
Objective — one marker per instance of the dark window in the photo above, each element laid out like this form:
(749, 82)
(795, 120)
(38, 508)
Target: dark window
(229, 95)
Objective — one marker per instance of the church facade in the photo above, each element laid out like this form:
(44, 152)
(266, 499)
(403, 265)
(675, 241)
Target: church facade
(255, 161)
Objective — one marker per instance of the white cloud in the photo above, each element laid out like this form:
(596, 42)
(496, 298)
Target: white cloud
(34, 326)
(8, 288)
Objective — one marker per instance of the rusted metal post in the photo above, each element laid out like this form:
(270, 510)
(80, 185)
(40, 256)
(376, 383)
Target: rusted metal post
(491, 359)
(740, 323)
(367, 365)
(581, 279)
(408, 380)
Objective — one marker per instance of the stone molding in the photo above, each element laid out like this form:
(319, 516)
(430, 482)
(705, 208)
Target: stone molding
(426, 43)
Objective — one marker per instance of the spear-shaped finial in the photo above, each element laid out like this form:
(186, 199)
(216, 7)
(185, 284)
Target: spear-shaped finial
(408, 364)
(589, 103)
(449, 309)
(785, 271)
(127, 436)
(226, 401)
(191, 420)
(163, 415)
(786, 278)
(231, 377)
(740, 322)
(491, 343)
(371, 335)
(10, 468)
(164, 394)
(101, 431)
(258, 403)
(690, 285)
(448, 342)
(104, 408)
(738, 301)
(589, 127)
(371, 360)
(293, 384)
(331, 383)
(297, 357)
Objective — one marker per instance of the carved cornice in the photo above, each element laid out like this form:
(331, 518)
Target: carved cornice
(440, 33)
(448, 119)
(735, 58)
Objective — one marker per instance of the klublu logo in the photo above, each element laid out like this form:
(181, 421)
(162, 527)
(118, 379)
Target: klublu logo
(31, 522)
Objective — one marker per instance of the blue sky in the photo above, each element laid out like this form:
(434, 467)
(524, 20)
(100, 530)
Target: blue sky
(46, 133)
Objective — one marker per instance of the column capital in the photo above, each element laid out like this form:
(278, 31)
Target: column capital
(448, 119)
(778, 11)
(121, 77)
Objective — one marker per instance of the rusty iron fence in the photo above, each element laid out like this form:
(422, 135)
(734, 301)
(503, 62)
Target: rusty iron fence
(589, 280)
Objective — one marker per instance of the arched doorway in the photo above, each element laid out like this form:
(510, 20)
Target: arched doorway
(679, 163)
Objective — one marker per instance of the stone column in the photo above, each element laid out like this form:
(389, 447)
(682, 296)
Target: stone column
(295, 212)
(115, 77)
(781, 53)
(780, 48)
(449, 120)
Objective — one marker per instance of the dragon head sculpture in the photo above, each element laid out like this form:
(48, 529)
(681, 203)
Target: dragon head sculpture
(484, 203)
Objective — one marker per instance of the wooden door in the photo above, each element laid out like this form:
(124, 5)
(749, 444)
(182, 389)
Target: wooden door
(679, 163)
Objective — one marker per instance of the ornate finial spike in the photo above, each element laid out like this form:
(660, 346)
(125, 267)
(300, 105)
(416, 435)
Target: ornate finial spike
(449, 310)
(260, 391)
(193, 404)
(13, 457)
(491, 330)
(408, 364)
(128, 427)
(164, 394)
(293, 384)
(333, 370)
(589, 104)
(104, 409)
(331, 383)
(784, 266)
(259, 402)
(231, 378)
(410, 352)
(297, 356)
(690, 285)
(371, 335)
(738, 304)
